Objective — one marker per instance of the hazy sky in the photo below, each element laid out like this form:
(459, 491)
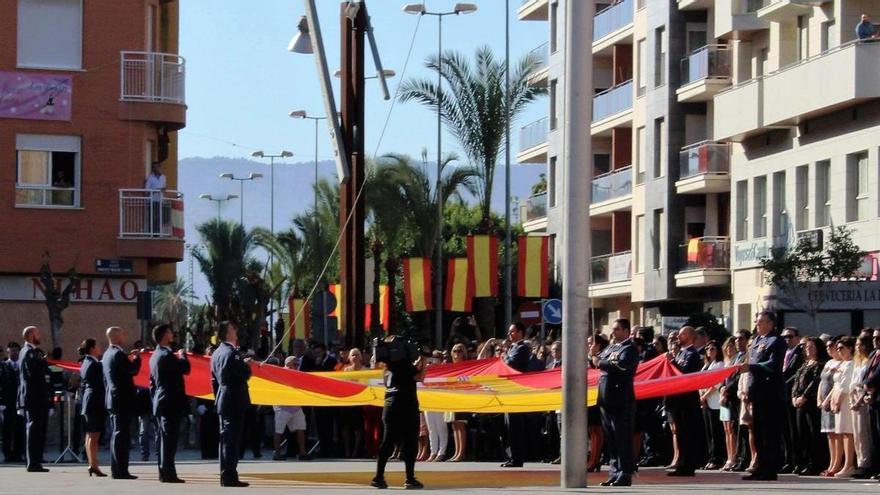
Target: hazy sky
(242, 81)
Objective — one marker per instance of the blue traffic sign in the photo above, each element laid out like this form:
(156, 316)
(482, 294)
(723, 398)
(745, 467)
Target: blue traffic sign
(552, 311)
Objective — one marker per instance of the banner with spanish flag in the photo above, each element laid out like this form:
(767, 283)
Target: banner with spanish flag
(459, 286)
(299, 321)
(417, 284)
(339, 312)
(384, 308)
(482, 252)
(533, 260)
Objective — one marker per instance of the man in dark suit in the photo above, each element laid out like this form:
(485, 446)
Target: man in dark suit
(119, 373)
(794, 359)
(13, 424)
(517, 357)
(33, 397)
(730, 398)
(169, 398)
(767, 394)
(229, 378)
(872, 385)
(618, 363)
(684, 410)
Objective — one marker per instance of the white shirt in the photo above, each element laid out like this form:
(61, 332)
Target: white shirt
(155, 182)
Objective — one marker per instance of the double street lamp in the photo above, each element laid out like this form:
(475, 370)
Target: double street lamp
(219, 200)
(283, 154)
(241, 181)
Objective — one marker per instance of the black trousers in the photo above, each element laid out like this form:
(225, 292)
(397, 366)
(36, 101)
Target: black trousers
(689, 427)
(516, 436)
(169, 432)
(875, 432)
(37, 420)
(13, 435)
(209, 428)
(230, 440)
(792, 455)
(651, 426)
(120, 444)
(768, 434)
(618, 427)
(400, 423)
(714, 431)
(809, 440)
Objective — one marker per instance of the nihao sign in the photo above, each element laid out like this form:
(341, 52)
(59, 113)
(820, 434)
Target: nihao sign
(92, 290)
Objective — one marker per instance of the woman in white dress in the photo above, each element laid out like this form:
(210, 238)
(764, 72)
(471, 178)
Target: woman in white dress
(835, 451)
(727, 419)
(839, 401)
(861, 418)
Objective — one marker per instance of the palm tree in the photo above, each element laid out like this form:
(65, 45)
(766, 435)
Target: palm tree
(473, 107)
(224, 261)
(171, 303)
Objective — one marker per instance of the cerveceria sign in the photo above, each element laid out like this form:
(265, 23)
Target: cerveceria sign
(841, 296)
(98, 290)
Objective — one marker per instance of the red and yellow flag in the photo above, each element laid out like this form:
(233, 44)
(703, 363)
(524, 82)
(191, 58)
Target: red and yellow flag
(533, 261)
(482, 252)
(459, 286)
(417, 284)
(339, 312)
(299, 321)
(383, 309)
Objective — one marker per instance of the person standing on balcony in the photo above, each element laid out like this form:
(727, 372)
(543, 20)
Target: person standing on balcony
(865, 29)
(156, 184)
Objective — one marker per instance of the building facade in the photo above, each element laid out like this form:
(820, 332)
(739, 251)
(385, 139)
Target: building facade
(91, 97)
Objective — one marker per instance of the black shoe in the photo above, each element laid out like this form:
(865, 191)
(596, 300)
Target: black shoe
(759, 477)
(680, 473)
(126, 476)
(235, 484)
(379, 483)
(610, 481)
(512, 464)
(876, 477)
(171, 480)
(38, 469)
(862, 475)
(623, 481)
(787, 469)
(145, 458)
(413, 484)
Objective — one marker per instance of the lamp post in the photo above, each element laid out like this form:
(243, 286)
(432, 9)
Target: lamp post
(419, 9)
(218, 199)
(302, 114)
(283, 154)
(388, 73)
(241, 181)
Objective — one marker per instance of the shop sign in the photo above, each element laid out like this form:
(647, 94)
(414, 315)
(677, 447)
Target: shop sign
(93, 290)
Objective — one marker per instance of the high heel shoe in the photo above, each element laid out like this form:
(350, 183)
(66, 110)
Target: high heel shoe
(97, 472)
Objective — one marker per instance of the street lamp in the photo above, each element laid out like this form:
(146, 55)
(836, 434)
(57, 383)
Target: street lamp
(388, 73)
(241, 181)
(283, 154)
(302, 114)
(302, 41)
(218, 199)
(419, 9)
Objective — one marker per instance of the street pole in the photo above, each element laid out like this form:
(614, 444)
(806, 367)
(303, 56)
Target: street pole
(218, 210)
(271, 197)
(316, 165)
(508, 272)
(438, 287)
(241, 203)
(576, 237)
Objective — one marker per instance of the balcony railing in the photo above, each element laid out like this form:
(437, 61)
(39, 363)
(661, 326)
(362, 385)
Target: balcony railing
(541, 55)
(536, 207)
(753, 6)
(708, 62)
(618, 15)
(705, 253)
(612, 101)
(614, 184)
(704, 158)
(145, 213)
(153, 77)
(533, 134)
(615, 267)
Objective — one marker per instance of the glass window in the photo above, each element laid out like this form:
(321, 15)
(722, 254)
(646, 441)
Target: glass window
(552, 182)
(47, 171)
(823, 193)
(642, 76)
(552, 95)
(641, 154)
(49, 34)
(742, 208)
(857, 187)
(780, 212)
(659, 57)
(760, 207)
(658, 240)
(660, 151)
(802, 198)
(640, 243)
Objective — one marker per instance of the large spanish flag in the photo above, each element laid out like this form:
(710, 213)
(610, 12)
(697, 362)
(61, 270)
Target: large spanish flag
(417, 284)
(299, 320)
(482, 251)
(459, 286)
(533, 261)
(383, 309)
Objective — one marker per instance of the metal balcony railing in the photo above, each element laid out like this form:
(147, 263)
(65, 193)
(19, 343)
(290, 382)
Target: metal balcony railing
(533, 134)
(536, 207)
(153, 77)
(541, 55)
(615, 267)
(704, 158)
(708, 62)
(150, 213)
(614, 184)
(616, 16)
(613, 101)
(705, 253)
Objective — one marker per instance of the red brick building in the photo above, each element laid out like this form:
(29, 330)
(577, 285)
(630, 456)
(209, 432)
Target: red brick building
(91, 94)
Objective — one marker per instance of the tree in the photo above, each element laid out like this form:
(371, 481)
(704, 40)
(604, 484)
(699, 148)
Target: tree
(540, 186)
(473, 108)
(171, 303)
(227, 253)
(57, 299)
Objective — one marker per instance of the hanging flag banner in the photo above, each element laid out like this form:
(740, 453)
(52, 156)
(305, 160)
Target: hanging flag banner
(299, 323)
(533, 260)
(482, 252)
(32, 96)
(383, 309)
(417, 284)
(339, 312)
(459, 287)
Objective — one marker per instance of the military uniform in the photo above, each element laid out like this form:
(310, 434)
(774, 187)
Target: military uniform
(618, 363)
(13, 424)
(767, 394)
(229, 378)
(121, 400)
(517, 357)
(169, 404)
(684, 411)
(93, 395)
(400, 417)
(33, 398)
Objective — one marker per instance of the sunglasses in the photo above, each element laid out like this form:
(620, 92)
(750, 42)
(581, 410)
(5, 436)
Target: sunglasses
(788, 337)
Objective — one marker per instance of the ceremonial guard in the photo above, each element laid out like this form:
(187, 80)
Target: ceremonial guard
(119, 372)
(33, 397)
(169, 398)
(229, 377)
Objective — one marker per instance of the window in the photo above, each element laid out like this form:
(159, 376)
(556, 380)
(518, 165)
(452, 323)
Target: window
(50, 34)
(552, 95)
(803, 40)
(47, 170)
(780, 212)
(823, 193)
(551, 186)
(802, 198)
(742, 208)
(642, 68)
(857, 187)
(827, 41)
(659, 57)
(658, 241)
(554, 19)
(640, 243)
(759, 213)
(660, 151)
(641, 154)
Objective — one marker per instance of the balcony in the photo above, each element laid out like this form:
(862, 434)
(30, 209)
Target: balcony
(785, 11)
(152, 88)
(541, 55)
(704, 73)
(704, 168)
(705, 262)
(534, 213)
(612, 108)
(611, 275)
(734, 18)
(533, 10)
(533, 142)
(150, 224)
(612, 191)
(613, 25)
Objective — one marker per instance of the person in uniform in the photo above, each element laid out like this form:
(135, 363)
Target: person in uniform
(518, 356)
(119, 372)
(618, 363)
(168, 398)
(767, 394)
(13, 424)
(93, 392)
(229, 378)
(684, 409)
(33, 397)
